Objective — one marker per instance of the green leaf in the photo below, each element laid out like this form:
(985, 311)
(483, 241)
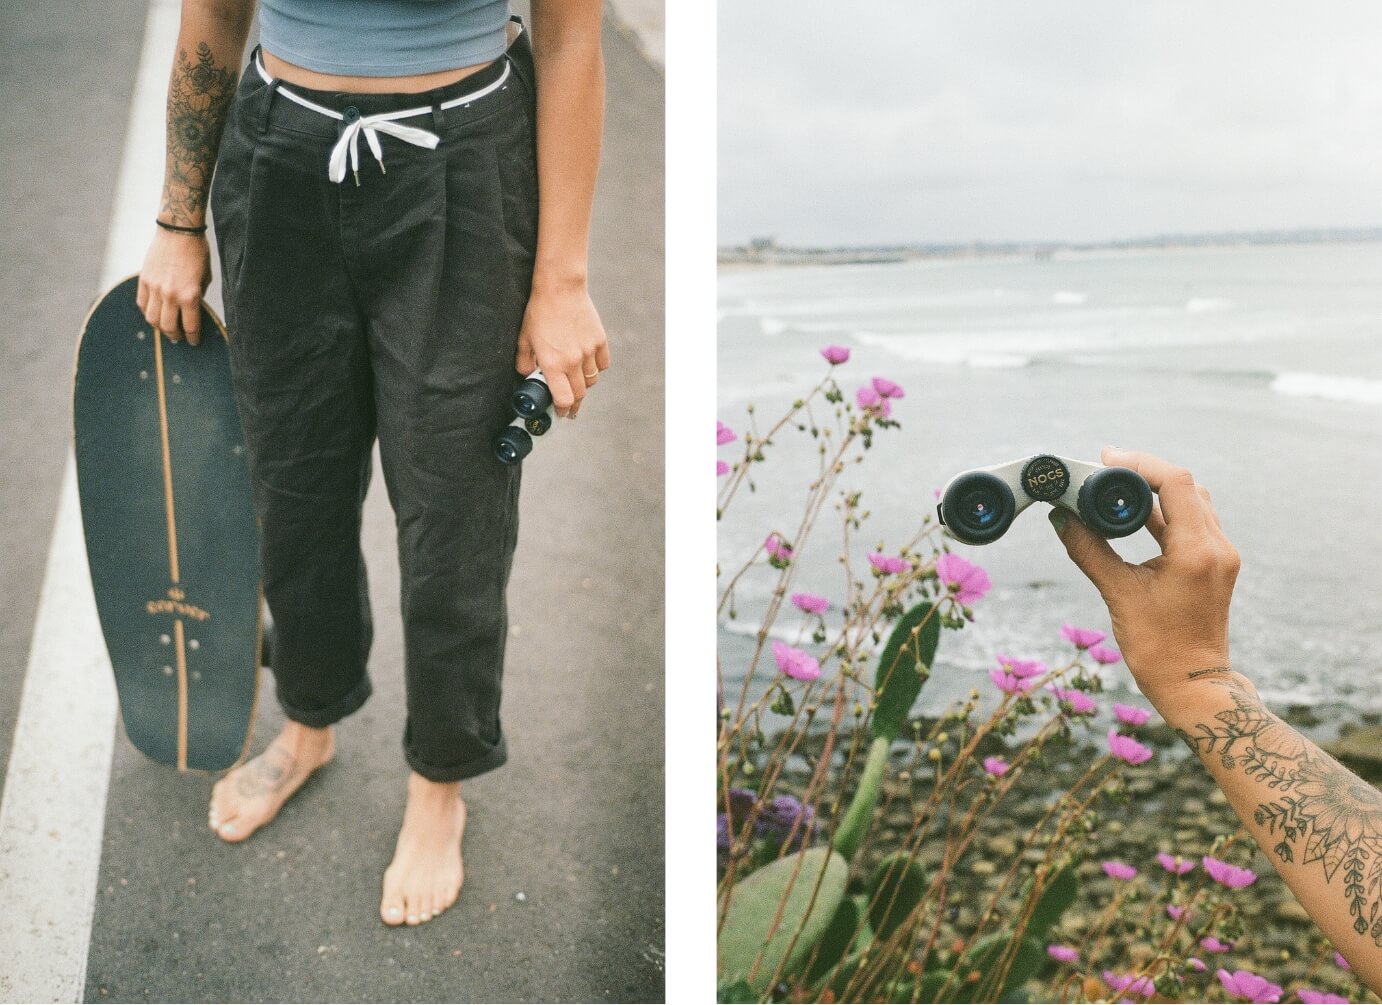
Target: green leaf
(735, 992)
(931, 983)
(748, 931)
(987, 954)
(895, 889)
(1055, 899)
(903, 668)
(783, 704)
(835, 942)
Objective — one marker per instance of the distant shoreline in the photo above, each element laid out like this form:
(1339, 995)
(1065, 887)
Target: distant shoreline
(766, 251)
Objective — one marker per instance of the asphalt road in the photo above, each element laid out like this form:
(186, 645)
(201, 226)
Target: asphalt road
(564, 849)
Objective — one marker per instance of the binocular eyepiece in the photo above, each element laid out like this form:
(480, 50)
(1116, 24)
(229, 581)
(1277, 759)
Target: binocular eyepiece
(532, 409)
(978, 507)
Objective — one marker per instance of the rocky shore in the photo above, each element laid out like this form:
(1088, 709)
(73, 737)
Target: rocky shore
(1170, 805)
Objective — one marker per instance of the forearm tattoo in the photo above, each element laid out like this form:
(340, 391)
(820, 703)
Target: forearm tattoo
(1207, 672)
(1323, 812)
(199, 94)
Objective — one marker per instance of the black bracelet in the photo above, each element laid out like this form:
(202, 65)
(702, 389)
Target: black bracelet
(180, 230)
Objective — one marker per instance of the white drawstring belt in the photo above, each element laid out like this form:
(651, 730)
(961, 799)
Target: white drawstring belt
(348, 146)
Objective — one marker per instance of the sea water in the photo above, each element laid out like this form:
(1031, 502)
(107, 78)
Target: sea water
(1258, 367)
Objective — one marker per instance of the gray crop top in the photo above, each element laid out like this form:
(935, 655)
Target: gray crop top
(384, 38)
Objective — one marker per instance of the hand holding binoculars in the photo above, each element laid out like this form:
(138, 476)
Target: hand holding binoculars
(532, 409)
(978, 507)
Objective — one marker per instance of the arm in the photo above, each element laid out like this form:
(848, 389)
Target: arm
(561, 331)
(1320, 824)
(177, 268)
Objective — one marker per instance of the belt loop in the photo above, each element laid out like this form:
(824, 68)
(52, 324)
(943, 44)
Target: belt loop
(269, 93)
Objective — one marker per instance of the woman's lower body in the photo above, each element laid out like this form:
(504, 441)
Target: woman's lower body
(385, 306)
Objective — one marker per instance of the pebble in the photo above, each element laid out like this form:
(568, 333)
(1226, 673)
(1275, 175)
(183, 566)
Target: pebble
(1290, 910)
(520, 896)
(1003, 846)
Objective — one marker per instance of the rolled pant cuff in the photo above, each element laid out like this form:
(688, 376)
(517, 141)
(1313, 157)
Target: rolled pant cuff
(320, 718)
(493, 758)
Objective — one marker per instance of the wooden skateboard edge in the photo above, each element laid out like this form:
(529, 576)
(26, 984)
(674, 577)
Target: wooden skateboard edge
(259, 593)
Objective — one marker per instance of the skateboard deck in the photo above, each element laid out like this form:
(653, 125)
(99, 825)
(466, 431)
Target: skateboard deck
(170, 532)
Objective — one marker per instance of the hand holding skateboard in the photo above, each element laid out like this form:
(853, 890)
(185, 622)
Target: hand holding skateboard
(176, 273)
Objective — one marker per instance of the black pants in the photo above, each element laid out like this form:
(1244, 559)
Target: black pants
(390, 309)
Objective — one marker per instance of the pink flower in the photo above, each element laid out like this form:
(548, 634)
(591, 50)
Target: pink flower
(887, 564)
(1063, 954)
(778, 549)
(996, 766)
(1119, 870)
(1339, 961)
(1212, 945)
(1083, 638)
(1125, 748)
(1175, 912)
(870, 401)
(1021, 668)
(1248, 986)
(1079, 702)
(1232, 876)
(835, 354)
(1102, 654)
(721, 469)
(1174, 863)
(723, 434)
(795, 663)
(1131, 714)
(1126, 984)
(1312, 997)
(887, 389)
(1197, 963)
(811, 603)
(964, 579)
(1010, 683)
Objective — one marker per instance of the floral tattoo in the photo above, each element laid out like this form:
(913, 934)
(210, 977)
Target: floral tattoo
(1323, 813)
(199, 96)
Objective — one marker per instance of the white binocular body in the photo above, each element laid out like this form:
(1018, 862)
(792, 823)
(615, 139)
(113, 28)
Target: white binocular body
(978, 506)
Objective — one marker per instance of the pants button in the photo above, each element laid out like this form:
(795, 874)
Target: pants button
(351, 113)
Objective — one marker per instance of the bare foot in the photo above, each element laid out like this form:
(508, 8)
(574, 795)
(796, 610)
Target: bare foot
(425, 875)
(249, 796)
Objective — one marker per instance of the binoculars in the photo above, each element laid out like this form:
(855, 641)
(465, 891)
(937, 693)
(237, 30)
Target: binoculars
(978, 507)
(532, 409)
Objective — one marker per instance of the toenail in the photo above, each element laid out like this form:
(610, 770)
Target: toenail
(412, 919)
(394, 912)
(228, 829)
(425, 917)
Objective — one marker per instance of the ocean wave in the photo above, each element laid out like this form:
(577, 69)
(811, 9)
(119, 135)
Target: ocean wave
(788, 629)
(1329, 387)
(1007, 352)
(1203, 305)
(772, 326)
(1068, 298)
(999, 361)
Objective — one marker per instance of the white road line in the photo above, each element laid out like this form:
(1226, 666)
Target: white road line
(53, 816)
(647, 20)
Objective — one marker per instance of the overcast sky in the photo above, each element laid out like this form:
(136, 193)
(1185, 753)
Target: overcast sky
(957, 120)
